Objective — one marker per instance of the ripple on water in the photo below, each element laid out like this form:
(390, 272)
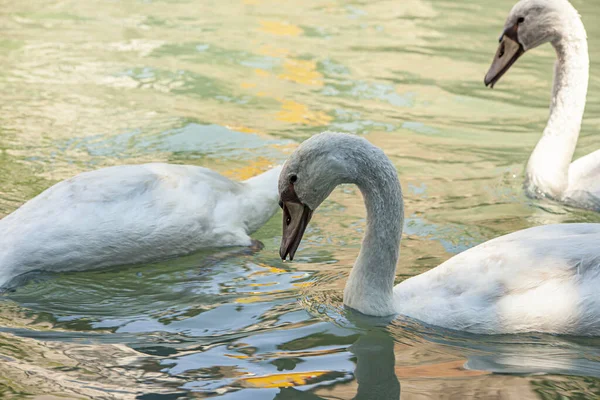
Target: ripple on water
(235, 87)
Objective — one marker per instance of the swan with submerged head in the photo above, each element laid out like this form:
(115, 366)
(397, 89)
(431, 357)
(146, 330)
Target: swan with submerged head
(550, 172)
(542, 279)
(131, 214)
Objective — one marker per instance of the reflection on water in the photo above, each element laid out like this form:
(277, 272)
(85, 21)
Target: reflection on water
(234, 85)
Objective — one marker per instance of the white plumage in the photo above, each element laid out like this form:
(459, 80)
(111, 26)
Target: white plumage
(542, 279)
(131, 214)
(550, 170)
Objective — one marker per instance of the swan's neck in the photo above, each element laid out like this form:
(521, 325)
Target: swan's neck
(370, 286)
(258, 201)
(548, 167)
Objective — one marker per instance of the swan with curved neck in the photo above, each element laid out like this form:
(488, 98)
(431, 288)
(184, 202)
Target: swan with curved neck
(542, 279)
(550, 172)
(131, 214)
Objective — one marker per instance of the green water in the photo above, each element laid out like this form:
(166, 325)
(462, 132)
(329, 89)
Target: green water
(235, 85)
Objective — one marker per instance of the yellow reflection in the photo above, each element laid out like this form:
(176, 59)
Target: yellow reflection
(297, 113)
(303, 72)
(263, 284)
(247, 85)
(280, 28)
(261, 72)
(249, 299)
(238, 356)
(302, 285)
(241, 128)
(283, 380)
(272, 51)
(253, 168)
(268, 270)
(274, 270)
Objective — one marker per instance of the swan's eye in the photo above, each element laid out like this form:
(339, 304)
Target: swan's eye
(521, 20)
(293, 178)
(288, 220)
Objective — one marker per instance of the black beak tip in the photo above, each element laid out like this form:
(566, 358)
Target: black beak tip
(284, 255)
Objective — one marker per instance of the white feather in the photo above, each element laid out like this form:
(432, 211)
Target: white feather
(542, 279)
(550, 170)
(131, 214)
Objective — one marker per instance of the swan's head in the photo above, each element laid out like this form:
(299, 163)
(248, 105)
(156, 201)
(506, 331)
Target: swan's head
(308, 177)
(530, 24)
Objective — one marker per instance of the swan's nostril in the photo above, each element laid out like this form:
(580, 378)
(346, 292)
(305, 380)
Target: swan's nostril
(501, 52)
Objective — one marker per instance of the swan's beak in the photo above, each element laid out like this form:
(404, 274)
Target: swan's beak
(296, 217)
(508, 53)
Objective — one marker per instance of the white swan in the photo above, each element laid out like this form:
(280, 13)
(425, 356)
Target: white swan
(550, 172)
(131, 214)
(542, 279)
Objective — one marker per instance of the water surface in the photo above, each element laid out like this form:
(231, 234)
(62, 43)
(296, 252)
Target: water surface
(235, 85)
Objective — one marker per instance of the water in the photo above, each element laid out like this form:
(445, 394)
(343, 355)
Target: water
(235, 85)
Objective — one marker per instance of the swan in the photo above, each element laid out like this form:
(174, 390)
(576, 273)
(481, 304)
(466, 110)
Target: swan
(550, 172)
(542, 279)
(131, 214)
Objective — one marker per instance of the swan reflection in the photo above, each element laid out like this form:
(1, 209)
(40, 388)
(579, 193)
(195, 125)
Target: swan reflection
(374, 375)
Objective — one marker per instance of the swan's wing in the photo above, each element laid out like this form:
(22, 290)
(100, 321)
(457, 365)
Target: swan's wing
(584, 180)
(122, 214)
(148, 187)
(539, 279)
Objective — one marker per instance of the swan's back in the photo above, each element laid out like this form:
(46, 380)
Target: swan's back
(541, 279)
(121, 215)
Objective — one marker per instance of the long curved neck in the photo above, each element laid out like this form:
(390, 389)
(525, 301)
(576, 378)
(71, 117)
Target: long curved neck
(548, 167)
(369, 288)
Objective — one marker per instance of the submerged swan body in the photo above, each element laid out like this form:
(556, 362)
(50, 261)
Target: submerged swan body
(131, 214)
(550, 172)
(542, 279)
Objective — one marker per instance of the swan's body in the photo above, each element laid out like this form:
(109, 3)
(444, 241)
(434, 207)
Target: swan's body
(131, 214)
(550, 172)
(542, 279)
